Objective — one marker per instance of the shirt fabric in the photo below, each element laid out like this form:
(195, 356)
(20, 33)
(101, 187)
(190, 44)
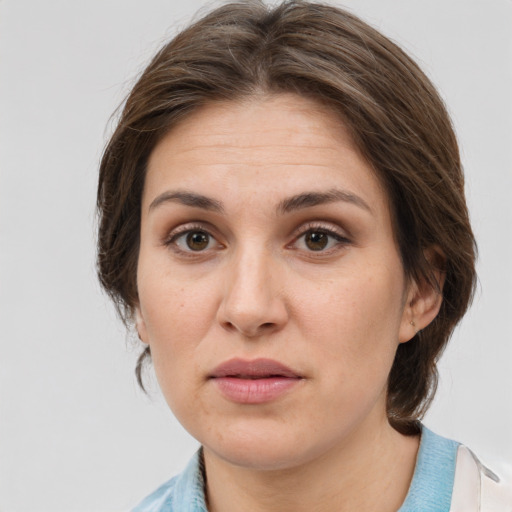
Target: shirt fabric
(431, 488)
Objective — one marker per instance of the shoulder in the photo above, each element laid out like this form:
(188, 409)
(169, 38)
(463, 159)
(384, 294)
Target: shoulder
(183, 492)
(449, 478)
(159, 500)
(478, 488)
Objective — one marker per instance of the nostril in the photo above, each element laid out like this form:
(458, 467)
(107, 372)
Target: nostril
(229, 326)
(251, 331)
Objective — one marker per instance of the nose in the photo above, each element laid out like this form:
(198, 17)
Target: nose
(253, 303)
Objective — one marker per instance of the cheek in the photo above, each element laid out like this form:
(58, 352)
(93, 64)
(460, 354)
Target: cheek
(176, 317)
(170, 301)
(175, 330)
(355, 319)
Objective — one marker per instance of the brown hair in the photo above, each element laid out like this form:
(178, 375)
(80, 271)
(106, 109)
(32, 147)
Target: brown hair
(395, 116)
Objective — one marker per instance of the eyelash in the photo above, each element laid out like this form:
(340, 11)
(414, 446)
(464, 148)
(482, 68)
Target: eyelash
(315, 227)
(182, 231)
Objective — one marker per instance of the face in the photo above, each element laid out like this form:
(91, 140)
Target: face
(271, 289)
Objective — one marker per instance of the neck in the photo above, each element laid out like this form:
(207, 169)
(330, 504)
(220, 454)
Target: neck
(371, 471)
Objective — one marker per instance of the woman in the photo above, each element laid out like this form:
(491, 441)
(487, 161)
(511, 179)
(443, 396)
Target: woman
(283, 219)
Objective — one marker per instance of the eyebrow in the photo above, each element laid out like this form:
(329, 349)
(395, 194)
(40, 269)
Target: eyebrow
(188, 199)
(288, 205)
(309, 199)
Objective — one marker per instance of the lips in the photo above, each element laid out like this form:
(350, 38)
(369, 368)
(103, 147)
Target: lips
(256, 369)
(253, 382)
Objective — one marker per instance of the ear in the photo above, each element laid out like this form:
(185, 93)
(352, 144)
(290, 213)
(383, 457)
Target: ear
(140, 325)
(424, 298)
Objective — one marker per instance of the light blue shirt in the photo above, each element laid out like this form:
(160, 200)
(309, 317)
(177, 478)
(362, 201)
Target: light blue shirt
(430, 490)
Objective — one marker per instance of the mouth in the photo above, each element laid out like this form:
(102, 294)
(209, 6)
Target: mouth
(253, 370)
(254, 382)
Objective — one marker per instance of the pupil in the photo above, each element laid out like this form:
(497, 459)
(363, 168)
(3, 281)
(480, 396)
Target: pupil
(197, 240)
(316, 241)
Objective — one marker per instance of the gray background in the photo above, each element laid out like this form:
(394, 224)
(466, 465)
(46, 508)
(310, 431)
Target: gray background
(75, 433)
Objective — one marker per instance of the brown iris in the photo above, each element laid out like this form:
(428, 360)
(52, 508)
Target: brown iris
(316, 240)
(197, 240)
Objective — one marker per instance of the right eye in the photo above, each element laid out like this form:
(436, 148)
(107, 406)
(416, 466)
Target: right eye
(194, 240)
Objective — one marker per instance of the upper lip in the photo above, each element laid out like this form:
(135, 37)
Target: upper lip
(253, 369)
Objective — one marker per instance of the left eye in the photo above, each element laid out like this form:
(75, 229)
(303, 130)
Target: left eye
(195, 240)
(318, 240)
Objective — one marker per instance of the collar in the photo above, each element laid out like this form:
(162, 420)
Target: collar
(434, 474)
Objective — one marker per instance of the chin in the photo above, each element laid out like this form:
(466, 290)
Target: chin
(270, 448)
(263, 458)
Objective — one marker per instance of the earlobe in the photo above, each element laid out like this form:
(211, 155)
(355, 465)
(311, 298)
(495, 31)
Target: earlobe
(140, 325)
(424, 297)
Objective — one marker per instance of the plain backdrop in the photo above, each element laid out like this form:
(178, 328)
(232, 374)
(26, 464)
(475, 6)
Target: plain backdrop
(75, 432)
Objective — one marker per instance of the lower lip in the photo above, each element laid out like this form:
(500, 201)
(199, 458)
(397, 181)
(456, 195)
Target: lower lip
(254, 391)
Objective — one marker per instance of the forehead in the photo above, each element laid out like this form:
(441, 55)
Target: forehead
(276, 145)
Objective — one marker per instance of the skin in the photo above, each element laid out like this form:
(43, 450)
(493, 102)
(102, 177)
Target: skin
(257, 289)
